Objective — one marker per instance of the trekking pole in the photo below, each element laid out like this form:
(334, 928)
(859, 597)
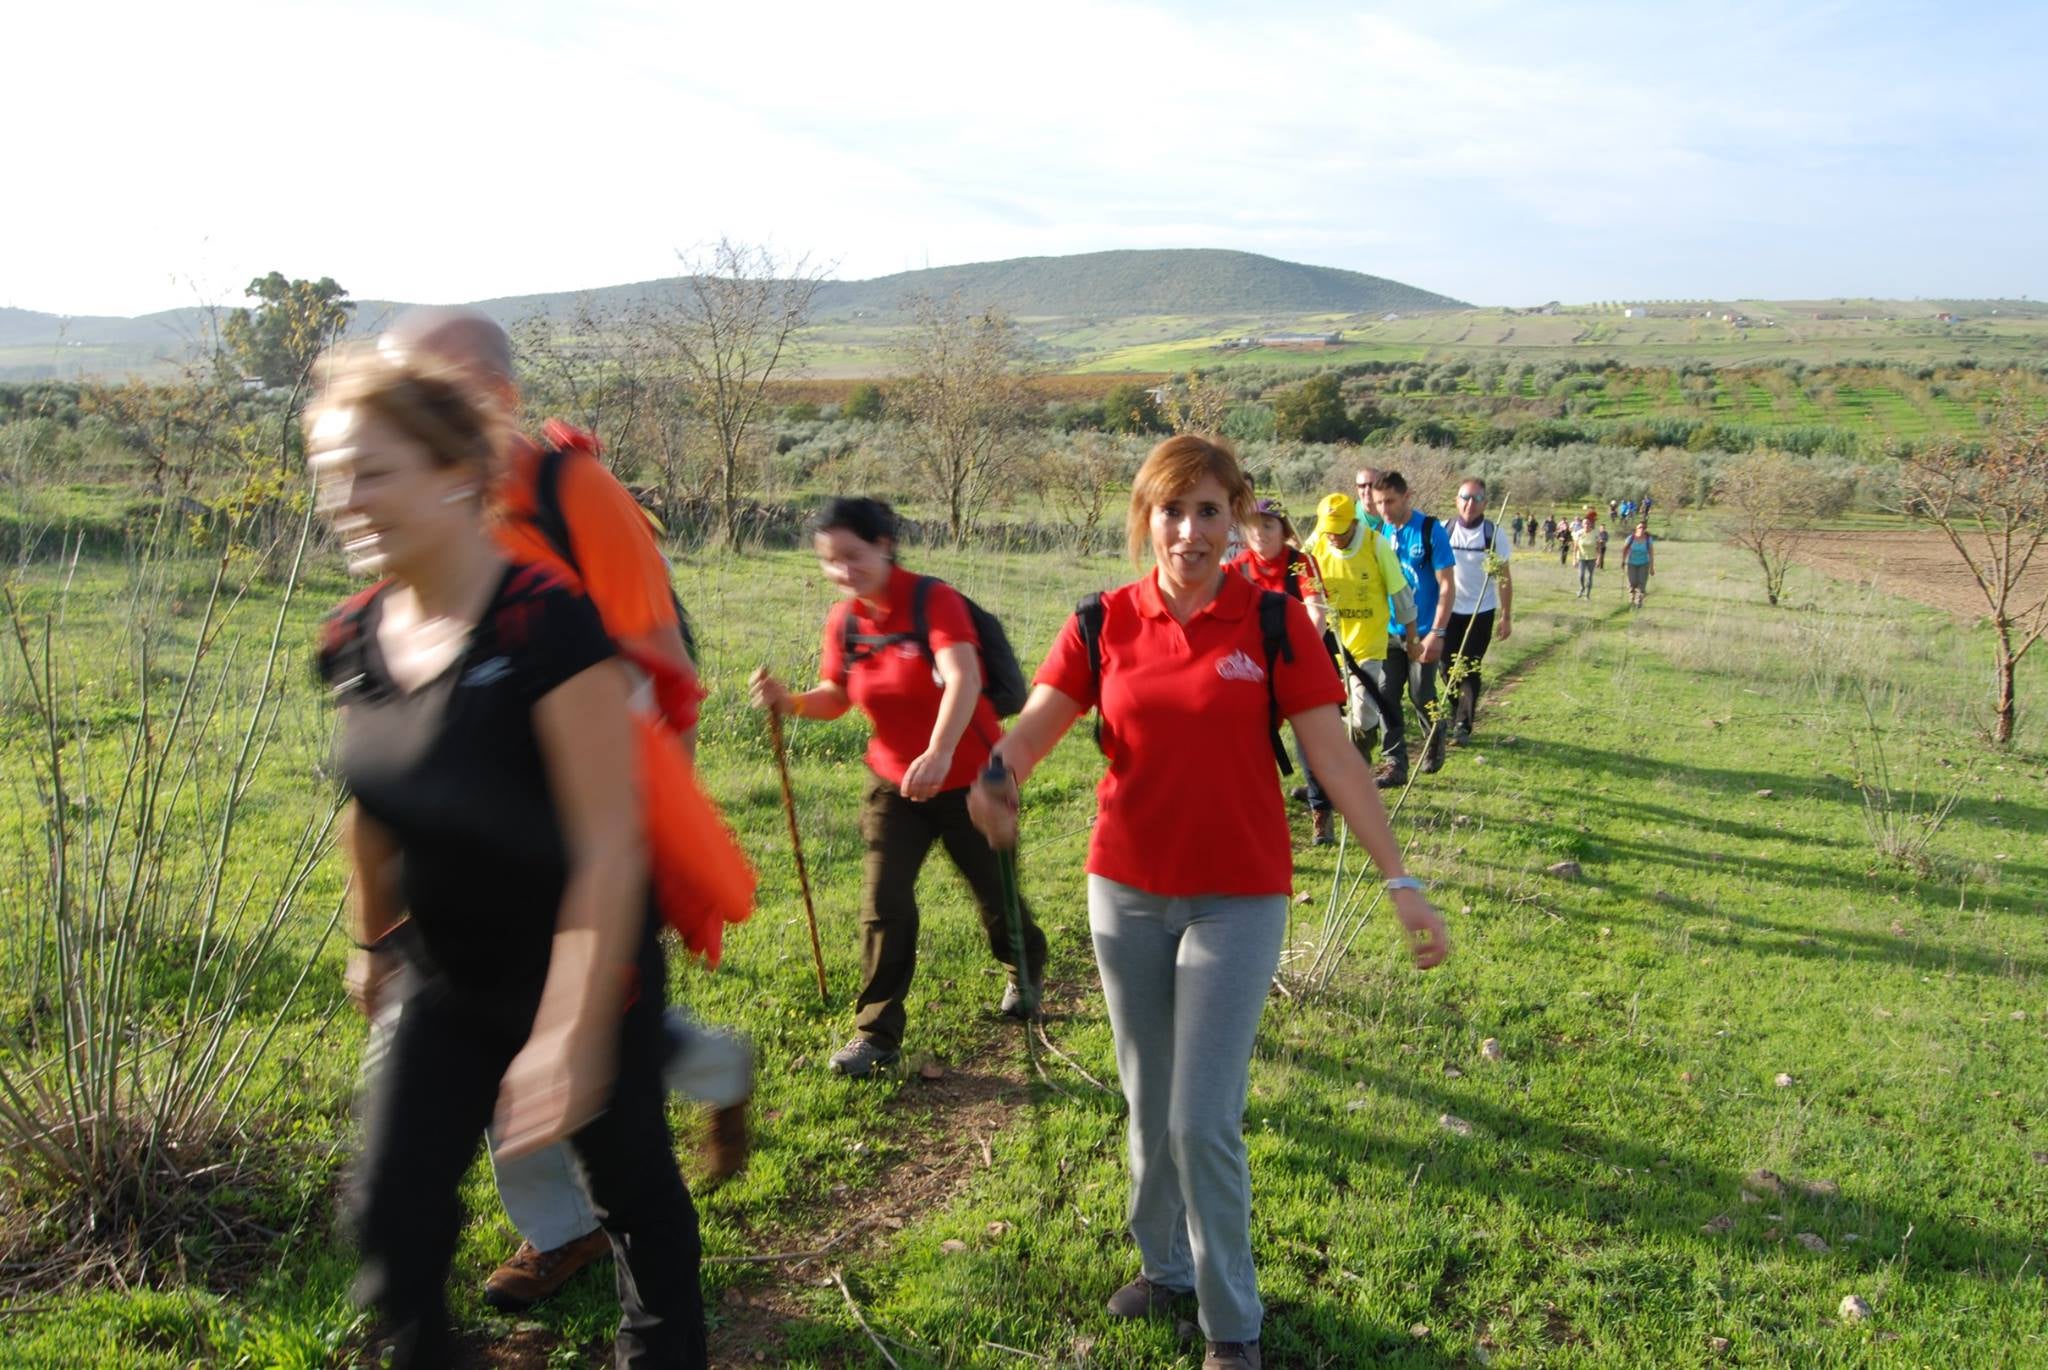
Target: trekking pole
(796, 844)
(996, 774)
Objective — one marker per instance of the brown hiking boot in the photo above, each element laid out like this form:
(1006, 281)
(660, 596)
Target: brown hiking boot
(1232, 1355)
(1141, 1299)
(532, 1275)
(726, 1145)
(1390, 775)
(1321, 820)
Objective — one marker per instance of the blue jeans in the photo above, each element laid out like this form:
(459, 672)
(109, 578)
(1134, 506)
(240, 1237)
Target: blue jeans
(545, 1197)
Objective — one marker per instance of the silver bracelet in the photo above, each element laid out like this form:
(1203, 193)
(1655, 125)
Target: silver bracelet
(1405, 882)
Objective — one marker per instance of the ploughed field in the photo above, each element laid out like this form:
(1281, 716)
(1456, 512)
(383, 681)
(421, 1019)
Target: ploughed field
(1918, 564)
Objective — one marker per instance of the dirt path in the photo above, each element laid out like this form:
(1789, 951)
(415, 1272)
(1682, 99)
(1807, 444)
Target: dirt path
(1914, 563)
(945, 1126)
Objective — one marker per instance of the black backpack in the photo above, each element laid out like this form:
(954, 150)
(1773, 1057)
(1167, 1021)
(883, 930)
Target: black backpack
(1002, 679)
(1272, 635)
(549, 519)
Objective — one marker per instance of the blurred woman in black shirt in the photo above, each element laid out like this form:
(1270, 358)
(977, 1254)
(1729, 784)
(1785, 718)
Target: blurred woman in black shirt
(496, 844)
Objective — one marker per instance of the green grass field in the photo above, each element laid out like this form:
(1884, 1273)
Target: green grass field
(1594, 1196)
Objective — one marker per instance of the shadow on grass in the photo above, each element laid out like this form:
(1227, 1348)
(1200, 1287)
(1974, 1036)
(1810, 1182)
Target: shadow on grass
(1683, 1190)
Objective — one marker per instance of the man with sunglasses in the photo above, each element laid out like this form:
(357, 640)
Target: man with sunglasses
(1368, 507)
(1481, 604)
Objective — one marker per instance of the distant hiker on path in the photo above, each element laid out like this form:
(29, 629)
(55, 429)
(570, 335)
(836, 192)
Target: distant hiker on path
(1190, 866)
(1565, 532)
(1602, 542)
(905, 649)
(1639, 556)
(487, 742)
(1585, 542)
(1483, 603)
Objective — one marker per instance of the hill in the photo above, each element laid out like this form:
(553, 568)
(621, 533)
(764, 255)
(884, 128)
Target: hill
(1091, 285)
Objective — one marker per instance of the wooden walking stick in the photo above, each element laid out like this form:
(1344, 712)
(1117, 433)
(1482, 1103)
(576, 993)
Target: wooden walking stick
(796, 844)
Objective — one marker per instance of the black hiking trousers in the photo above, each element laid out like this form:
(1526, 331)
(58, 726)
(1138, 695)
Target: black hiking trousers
(1469, 635)
(899, 834)
(428, 1105)
(1420, 678)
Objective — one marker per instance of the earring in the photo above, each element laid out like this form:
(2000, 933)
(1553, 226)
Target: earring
(457, 496)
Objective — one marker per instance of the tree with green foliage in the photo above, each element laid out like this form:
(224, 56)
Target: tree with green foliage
(1195, 403)
(865, 403)
(1131, 408)
(293, 322)
(279, 342)
(1313, 412)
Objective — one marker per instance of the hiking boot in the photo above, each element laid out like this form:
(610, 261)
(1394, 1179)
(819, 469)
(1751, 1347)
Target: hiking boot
(1390, 775)
(1232, 1355)
(1322, 827)
(1299, 794)
(1013, 1001)
(1432, 761)
(726, 1145)
(1461, 734)
(532, 1275)
(1141, 1299)
(861, 1058)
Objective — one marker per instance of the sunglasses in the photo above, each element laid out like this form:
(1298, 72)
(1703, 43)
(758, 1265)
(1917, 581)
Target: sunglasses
(1471, 499)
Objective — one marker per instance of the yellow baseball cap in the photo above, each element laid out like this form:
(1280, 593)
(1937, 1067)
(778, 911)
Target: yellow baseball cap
(1335, 515)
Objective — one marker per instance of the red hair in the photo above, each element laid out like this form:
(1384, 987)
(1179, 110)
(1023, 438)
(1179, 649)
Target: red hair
(1175, 467)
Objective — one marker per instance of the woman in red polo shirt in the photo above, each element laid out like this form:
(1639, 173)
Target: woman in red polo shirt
(1189, 871)
(1272, 560)
(932, 733)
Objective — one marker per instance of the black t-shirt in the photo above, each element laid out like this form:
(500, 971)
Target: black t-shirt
(454, 770)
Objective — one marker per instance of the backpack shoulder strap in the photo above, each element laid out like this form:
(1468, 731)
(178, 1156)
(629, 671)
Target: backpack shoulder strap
(547, 504)
(1273, 636)
(920, 616)
(1429, 542)
(847, 646)
(1088, 616)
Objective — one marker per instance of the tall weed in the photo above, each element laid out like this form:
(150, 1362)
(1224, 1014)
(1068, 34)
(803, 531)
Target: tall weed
(147, 975)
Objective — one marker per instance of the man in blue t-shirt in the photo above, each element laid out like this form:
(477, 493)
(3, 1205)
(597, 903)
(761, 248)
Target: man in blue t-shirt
(1424, 547)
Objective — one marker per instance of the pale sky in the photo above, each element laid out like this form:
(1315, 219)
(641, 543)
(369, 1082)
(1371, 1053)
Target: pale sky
(1504, 153)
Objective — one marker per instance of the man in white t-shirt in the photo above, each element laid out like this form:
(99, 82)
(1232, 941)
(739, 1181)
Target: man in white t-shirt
(1482, 604)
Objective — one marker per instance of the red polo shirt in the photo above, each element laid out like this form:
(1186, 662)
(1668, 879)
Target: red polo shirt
(899, 690)
(1273, 575)
(1190, 804)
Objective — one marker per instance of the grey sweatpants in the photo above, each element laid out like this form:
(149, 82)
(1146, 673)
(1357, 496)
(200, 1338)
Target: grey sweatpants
(1186, 980)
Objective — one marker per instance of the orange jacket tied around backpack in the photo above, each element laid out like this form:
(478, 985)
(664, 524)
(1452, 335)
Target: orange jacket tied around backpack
(697, 874)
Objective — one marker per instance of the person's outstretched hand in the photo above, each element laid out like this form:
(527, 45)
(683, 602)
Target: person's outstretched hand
(992, 806)
(1429, 942)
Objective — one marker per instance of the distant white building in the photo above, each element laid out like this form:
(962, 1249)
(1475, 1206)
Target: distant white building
(1301, 339)
(1635, 311)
